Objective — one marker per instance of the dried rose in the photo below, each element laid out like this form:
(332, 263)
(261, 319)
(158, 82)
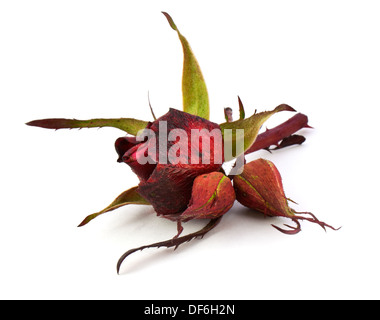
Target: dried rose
(260, 187)
(212, 196)
(167, 185)
(180, 174)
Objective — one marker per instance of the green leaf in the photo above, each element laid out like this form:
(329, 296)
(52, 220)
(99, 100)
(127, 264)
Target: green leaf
(251, 127)
(194, 91)
(131, 126)
(130, 196)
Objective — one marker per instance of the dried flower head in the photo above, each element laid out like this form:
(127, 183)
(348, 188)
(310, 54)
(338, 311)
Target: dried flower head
(178, 159)
(259, 187)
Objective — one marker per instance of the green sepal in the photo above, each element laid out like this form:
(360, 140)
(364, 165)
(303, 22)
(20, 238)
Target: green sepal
(194, 90)
(130, 196)
(251, 127)
(241, 109)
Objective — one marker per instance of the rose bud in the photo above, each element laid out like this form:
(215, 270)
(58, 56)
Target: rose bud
(259, 187)
(212, 196)
(178, 159)
(167, 184)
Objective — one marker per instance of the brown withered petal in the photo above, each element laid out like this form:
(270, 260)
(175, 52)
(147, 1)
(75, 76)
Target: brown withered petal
(132, 156)
(260, 187)
(176, 119)
(212, 196)
(123, 144)
(168, 189)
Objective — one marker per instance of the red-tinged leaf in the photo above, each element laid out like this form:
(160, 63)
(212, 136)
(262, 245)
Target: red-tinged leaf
(174, 242)
(129, 125)
(272, 137)
(194, 90)
(290, 141)
(130, 196)
(241, 109)
(212, 196)
(260, 187)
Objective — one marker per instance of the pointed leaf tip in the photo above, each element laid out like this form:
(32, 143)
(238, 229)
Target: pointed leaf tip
(130, 196)
(251, 127)
(241, 109)
(194, 90)
(170, 20)
(284, 107)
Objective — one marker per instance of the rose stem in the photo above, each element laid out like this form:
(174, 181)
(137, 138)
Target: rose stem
(275, 135)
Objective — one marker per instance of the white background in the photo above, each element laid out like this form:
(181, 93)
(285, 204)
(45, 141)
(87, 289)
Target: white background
(87, 59)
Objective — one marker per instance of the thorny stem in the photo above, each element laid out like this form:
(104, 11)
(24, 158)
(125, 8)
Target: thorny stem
(283, 131)
(175, 242)
(281, 136)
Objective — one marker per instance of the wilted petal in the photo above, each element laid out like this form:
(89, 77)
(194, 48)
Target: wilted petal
(123, 144)
(137, 158)
(168, 188)
(190, 124)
